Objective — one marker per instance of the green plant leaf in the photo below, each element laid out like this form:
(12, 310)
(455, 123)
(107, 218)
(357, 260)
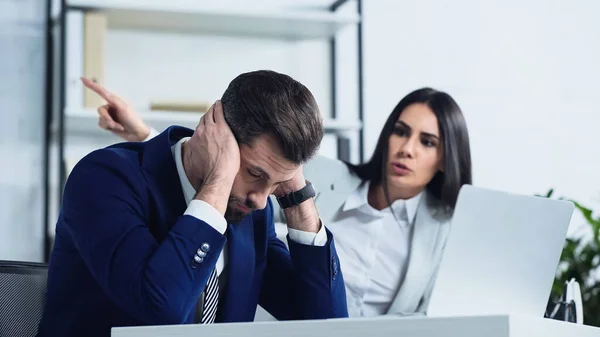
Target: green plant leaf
(547, 195)
(580, 259)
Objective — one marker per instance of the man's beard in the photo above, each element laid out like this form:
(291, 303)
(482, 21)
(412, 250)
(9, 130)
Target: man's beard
(233, 215)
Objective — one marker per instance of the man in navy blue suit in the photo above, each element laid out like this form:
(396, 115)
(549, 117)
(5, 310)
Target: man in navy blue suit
(179, 229)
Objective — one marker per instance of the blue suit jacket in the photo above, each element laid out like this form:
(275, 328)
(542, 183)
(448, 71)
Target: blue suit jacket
(124, 252)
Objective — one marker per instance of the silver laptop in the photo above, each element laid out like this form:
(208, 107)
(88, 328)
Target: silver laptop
(501, 254)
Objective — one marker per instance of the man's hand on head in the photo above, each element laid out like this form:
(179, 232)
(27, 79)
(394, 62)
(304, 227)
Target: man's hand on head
(213, 155)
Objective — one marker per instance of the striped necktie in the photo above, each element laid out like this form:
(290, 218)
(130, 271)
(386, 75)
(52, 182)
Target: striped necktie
(211, 299)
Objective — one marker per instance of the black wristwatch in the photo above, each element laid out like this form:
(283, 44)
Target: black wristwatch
(298, 197)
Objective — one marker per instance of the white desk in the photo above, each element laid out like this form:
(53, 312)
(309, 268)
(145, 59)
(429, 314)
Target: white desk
(484, 326)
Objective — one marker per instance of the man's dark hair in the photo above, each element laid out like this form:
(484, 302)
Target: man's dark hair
(266, 102)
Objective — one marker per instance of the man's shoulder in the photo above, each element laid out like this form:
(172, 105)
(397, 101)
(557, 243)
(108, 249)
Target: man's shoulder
(105, 175)
(115, 155)
(119, 160)
(126, 151)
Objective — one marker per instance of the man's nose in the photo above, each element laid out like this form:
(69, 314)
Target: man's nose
(259, 199)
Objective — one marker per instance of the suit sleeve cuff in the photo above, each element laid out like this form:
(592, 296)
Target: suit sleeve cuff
(202, 210)
(309, 238)
(153, 133)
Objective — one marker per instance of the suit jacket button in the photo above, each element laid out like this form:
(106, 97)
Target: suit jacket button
(198, 259)
(205, 247)
(200, 253)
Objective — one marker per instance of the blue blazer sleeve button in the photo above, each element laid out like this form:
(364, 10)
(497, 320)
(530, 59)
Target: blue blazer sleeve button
(334, 267)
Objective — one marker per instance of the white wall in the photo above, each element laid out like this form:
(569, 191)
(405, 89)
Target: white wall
(524, 72)
(22, 107)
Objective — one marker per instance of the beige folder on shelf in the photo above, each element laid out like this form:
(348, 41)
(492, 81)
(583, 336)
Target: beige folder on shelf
(94, 44)
(180, 106)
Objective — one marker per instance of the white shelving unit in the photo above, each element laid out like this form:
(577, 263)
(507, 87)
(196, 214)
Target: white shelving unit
(85, 122)
(207, 18)
(202, 17)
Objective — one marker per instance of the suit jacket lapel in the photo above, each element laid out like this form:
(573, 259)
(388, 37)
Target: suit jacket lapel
(161, 174)
(423, 245)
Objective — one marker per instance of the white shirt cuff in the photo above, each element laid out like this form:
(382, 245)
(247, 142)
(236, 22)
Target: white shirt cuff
(309, 238)
(202, 210)
(153, 133)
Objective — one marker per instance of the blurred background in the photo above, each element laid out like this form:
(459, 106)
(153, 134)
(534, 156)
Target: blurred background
(525, 74)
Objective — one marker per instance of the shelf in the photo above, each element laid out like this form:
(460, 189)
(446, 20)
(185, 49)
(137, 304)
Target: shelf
(85, 122)
(197, 17)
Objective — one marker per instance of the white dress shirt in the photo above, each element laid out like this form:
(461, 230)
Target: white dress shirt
(373, 248)
(207, 213)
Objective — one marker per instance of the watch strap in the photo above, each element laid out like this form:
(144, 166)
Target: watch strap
(298, 197)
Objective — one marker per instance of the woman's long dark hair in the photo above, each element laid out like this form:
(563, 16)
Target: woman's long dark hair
(455, 139)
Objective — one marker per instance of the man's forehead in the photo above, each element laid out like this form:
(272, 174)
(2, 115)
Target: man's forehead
(266, 158)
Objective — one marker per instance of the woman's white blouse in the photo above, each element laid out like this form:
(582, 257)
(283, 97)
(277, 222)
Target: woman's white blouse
(373, 248)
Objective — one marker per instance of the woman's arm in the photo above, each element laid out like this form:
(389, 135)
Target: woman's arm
(119, 117)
